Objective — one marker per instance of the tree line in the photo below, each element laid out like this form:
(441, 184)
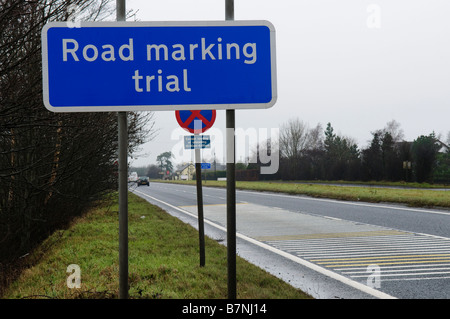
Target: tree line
(322, 154)
(52, 165)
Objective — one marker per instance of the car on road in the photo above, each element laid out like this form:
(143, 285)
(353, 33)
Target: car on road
(143, 180)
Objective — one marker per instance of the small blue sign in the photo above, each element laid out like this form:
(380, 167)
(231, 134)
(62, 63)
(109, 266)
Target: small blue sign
(206, 166)
(148, 66)
(197, 142)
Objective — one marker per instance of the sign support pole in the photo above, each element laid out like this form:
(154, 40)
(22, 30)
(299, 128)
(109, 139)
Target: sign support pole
(201, 226)
(123, 185)
(231, 184)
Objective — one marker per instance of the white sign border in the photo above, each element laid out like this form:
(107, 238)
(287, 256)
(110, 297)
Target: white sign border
(119, 108)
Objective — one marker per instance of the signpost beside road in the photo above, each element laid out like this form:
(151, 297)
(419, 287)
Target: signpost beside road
(151, 66)
(196, 122)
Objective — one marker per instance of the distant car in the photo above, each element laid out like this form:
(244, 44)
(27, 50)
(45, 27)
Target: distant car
(143, 180)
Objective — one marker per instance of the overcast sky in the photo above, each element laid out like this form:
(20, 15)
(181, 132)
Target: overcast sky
(357, 64)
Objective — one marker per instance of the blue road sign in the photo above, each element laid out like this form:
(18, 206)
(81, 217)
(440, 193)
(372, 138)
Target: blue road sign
(205, 166)
(132, 66)
(197, 141)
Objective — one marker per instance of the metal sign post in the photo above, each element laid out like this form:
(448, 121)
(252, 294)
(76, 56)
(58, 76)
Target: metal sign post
(231, 184)
(195, 122)
(123, 186)
(198, 177)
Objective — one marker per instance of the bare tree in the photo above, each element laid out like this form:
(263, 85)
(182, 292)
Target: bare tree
(315, 138)
(393, 128)
(294, 138)
(299, 148)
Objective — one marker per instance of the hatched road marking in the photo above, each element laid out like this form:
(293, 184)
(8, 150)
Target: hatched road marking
(400, 255)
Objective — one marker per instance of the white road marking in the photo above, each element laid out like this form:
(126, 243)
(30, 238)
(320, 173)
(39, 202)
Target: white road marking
(326, 272)
(400, 257)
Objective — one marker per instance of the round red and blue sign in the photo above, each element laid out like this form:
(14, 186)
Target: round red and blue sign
(188, 120)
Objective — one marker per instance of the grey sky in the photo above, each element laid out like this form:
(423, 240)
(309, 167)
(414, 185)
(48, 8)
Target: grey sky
(355, 63)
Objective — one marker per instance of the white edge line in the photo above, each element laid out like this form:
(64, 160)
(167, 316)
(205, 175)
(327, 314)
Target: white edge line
(298, 260)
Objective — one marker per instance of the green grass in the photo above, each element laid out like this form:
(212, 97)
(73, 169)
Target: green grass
(163, 261)
(416, 197)
(381, 183)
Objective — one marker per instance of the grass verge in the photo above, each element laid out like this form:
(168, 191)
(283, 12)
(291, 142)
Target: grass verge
(163, 261)
(416, 197)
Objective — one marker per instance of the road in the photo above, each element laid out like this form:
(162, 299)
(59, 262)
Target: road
(328, 248)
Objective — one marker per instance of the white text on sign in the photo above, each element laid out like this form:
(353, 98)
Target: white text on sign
(156, 52)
